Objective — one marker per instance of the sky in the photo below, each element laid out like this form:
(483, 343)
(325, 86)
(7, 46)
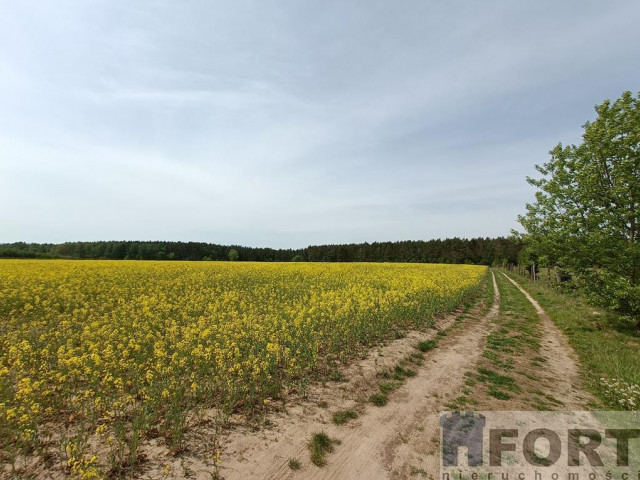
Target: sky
(293, 122)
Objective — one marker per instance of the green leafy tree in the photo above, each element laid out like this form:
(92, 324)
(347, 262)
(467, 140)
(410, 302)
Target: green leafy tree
(233, 255)
(587, 213)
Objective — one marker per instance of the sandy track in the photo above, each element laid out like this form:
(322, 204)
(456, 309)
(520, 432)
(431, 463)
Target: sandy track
(399, 440)
(385, 442)
(561, 369)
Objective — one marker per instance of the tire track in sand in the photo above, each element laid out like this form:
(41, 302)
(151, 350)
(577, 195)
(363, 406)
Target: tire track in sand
(562, 367)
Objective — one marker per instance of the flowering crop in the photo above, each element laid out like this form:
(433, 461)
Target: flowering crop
(117, 348)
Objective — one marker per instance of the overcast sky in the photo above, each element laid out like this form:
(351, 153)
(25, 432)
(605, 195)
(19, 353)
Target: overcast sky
(288, 123)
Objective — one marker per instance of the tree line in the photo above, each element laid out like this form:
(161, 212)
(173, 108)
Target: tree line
(585, 221)
(136, 250)
(481, 251)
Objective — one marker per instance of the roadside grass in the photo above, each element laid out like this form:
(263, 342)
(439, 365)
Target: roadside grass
(607, 344)
(510, 363)
(488, 292)
(516, 333)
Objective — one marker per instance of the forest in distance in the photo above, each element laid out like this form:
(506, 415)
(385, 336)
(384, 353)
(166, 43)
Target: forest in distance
(478, 251)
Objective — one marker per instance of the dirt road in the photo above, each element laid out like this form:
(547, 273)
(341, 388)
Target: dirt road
(378, 445)
(399, 440)
(562, 371)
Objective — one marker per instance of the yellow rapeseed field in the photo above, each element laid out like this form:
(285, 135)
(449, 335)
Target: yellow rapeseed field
(113, 349)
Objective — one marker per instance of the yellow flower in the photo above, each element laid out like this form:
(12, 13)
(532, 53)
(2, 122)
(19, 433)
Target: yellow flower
(104, 337)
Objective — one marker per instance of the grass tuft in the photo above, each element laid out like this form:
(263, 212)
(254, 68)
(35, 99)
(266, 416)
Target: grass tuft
(343, 416)
(427, 345)
(499, 394)
(319, 446)
(400, 373)
(387, 387)
(379, 399)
